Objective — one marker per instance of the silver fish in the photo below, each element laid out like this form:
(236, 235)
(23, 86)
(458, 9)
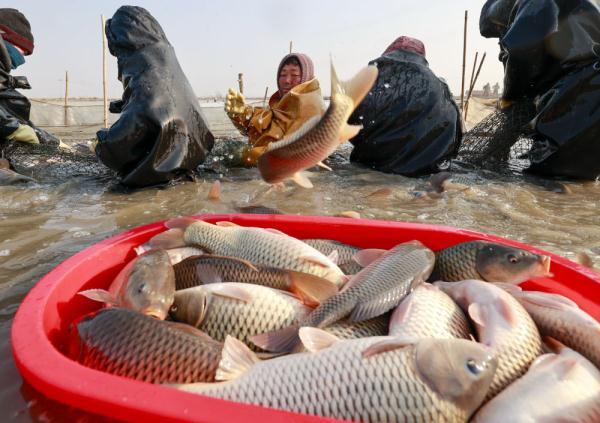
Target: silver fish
(345, 253)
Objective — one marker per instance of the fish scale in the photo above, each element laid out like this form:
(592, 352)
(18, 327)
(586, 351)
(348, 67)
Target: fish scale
(427, 312)
(129, 344)
(380, 286)
(259, 246)
(456, 263)
(345, 253)
(339, 383)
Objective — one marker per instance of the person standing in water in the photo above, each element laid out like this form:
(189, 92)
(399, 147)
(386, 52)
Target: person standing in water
(16, 42)
(411, 123)
(297, 99)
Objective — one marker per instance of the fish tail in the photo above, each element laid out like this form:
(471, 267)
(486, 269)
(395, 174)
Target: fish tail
(284, 340)
(172, 238)
(312, 290)
(356, 88)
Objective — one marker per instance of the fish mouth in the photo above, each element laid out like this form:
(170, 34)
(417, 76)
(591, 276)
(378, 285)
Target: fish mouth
(545, 262)
(157, 314)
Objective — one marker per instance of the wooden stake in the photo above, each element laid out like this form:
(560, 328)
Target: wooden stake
(66, 98)
(104, 72)
(290, 47)
(265, 98)
(473, 71)
(473, 84)
(462, 87)
(241, 82)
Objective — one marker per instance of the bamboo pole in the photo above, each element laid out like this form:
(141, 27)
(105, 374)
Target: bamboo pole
(474, 82)
(104, 72)
(462, 87)
(241, 82)
(473, 71)
(265, 97)
(66, 98)
(290, 47)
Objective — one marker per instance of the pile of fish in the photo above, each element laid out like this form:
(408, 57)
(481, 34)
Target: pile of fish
(314, 326)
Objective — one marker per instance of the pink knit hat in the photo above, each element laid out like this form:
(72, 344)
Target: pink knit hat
(306, 67)
(406, 44)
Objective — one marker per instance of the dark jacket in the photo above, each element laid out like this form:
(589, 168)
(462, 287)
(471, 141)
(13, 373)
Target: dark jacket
(410, 121)
(161, 132)
(14, 106)
(551, 55)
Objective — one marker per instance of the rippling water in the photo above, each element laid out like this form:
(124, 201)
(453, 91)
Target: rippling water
(42, 225)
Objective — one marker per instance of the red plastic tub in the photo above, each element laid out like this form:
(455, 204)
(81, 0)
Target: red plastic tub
(39, 331)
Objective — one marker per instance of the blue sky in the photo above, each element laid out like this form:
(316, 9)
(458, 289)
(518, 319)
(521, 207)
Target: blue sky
(215, 40)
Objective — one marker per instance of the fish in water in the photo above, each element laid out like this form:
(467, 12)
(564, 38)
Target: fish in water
(209, 269)
(430, 380)
(345, 253)
(146, 284)
(257, 209)
(9, 177)
(319, 136)
(489, 262)
(263, 246)
(427, 312)
(562, 319)
(236, 309)
(377, 288)
(502, 324)
(563, 387)
(129, 344)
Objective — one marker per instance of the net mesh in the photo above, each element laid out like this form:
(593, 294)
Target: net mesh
(501, 140)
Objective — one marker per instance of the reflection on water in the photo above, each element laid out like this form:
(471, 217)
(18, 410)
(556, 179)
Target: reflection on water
(42, 225)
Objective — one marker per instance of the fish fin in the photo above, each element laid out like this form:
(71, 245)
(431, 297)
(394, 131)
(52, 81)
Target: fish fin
(367, 256)
(236, 359)
(226, 224)
(352, 281)
(349, 214)
(476, 313)
(357, 87)
(245, 262)
(214, 193)
(506, 311)
(316, 259)
(100, 295)
(543, 299)
(196, 388)
(181, 222)
(190, 330)
(311, 289)
(401, 312)
(324, 166)
(334, 257)
(171, 238)
(282, 340)
(301, 179)
(275, 231)
(348, 132)
(227, 290)
(553, 344)
(386, 345)
(315, 339)
(208, 274)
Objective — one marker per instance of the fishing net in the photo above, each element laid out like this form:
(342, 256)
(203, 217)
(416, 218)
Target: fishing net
(501, 140)
(48, 162)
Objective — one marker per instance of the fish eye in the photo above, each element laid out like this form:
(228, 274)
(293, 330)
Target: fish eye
(173, 309)
(141, 288)
(474, 367)
(513, 259)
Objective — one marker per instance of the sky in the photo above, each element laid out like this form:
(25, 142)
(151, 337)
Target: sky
(216, 40)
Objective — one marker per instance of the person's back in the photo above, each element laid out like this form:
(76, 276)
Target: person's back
(410, 121)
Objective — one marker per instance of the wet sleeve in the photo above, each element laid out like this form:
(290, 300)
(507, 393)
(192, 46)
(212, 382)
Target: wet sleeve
(124, 141)
(8, 123)
(524, 49)
(242, 121)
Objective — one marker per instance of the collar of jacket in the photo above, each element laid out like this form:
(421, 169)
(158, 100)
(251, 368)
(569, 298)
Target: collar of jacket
(305, 87)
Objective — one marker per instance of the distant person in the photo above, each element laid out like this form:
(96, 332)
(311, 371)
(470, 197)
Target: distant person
(487, 90)
(297, 99)
(16, 43)
(410, 121)
(161, 133)
(496, 89)
(551, 55)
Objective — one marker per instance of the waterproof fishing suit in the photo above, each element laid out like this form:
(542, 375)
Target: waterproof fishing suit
(410, 121)
(551, 55)
(15, 107)
(161, 133)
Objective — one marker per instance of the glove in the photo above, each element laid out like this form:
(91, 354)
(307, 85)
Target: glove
(505, 104)
(93, 145)
(235, 103)
(24, 133)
